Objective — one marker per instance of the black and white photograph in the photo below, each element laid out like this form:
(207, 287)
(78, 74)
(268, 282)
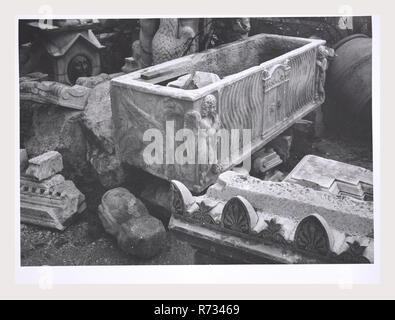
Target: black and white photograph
(196, 141)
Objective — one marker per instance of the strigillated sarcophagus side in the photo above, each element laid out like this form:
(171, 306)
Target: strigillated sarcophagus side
(260, 85)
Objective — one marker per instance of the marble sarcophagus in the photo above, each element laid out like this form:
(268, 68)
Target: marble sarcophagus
(262, 84)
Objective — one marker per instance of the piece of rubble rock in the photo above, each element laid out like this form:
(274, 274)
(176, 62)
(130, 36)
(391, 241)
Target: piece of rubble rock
(180, 82)
(45, 165)
(52, 92)
(126, 218)
(108, 168)
(200, 79)
(51, 203)
(59, 129)
(101, 152)
(23, 160)
(282, 146)
(93, 81)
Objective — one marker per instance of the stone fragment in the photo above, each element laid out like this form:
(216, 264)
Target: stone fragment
(23, 160)
(101, 153)
(126, 218)
(51, 203)
(333, 176)
(180, 82)
(45, 165)
(282, 146)
(265, 160)
(108, 168)
(143, 237)
(200, 79)
(59, 129)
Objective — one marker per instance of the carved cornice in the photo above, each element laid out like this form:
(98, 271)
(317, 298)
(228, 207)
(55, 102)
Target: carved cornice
(311, 236)
(51, 92)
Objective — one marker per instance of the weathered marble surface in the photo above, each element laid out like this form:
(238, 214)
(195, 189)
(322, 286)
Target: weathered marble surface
(290, 216)
(125, 217)
(45, 165)
(267, 83)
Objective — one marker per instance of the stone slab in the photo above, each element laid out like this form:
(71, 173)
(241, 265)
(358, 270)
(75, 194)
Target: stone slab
(333, 176)
(45, 165)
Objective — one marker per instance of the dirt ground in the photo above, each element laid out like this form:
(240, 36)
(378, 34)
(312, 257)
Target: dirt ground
(85, 242)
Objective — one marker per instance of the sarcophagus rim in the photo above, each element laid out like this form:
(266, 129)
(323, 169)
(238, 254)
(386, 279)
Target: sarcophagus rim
(133, 79)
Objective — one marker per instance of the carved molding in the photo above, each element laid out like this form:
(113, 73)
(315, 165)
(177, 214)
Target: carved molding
(52, 92)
